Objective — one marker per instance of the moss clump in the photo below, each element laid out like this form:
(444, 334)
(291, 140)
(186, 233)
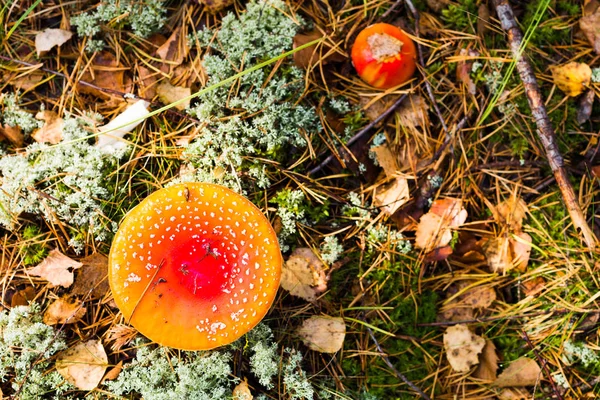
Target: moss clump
(32, 252)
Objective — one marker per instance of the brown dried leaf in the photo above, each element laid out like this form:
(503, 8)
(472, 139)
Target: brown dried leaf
(590, 25)
(13, 134)
(483, 19)
(488, 363)
(83, 365)
(47, 39)
(392, 196)
(302, 274)
(456, 313)
(521, 250)
(377, 107)
(386, 159)
(413, 112)
(434, 229)
(168, 94)
(107, 74)
(52, 130)
(478, 297)
(114, 372)
(462, 347)
(242, 391)
(57, 269)
(514, 394)
(91, 281)
(521, 372)
(533, 286)
(463, 71)
(175, 49)
(323, 334)
(586, 103)
(147, 80)
(311, 55)
(25, 81)
(65, 310)
(572, 78)
(511, 213)
(23, 297)
(498, 254)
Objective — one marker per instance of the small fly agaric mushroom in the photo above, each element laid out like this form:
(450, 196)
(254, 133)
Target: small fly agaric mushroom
(194, 266)
(384, 56)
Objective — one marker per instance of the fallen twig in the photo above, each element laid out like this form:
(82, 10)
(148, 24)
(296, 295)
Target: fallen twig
(544, 365)
(545, 129)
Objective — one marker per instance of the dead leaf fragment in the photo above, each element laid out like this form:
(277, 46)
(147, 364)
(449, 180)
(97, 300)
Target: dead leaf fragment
(390, 197)
(590, 25)
(463, 70)
(168, 94)
(114, 372)
(323, 334)
(47, 39)
(13, 134)
(66, 310)
(23, 297)
(386, 159)
(479, 297)
(511, 213)
(83, 365)
(521, 250)
(317, 53)
(506, 252)
(56, 269)
(435, 227)
(488, 363)
(105, 73)
(572, 78)
(462, 347)
(586, 103)
(413, 112)
(175, 49)
(514, 394)
(91, 279)
(521, 372)
(52, 130)
(533, 286)
(302, 274)
(242, 391)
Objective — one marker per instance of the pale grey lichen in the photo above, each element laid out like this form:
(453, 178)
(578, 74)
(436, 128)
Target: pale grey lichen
(295, 380)
(264, 359)
(578, 352)
(26, 344)
(12, 115)
(257, 116)
(144, 18)
(66, 181)
(331, 249)
(380, 235)
(290, 211)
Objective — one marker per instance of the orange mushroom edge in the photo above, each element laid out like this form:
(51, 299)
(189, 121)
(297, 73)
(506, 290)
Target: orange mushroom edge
(384, 56)
(195, 266)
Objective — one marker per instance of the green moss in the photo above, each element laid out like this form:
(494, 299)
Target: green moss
(32, 252)
(461, 16)
(552, 31)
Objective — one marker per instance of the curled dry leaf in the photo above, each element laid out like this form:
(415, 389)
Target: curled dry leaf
(521, 372)
(462, 347)
(47, 39)
(386, 159)
(114, 372)
(23, 297)
(111, 133)
(572, 78)
(242, 391)
(56, 269)
(66, 310)
(390, 197)
(435, 227)
(533, 286)
(168, 94)
(175, 49)
(506, 252)
(302, 274)
(83, 365)
(488, 363)
(52, 130)
(590, 25)
(317, 53)
(463, 70)
(521, 250)
(91, 280)
(323, 334)
(586, 103)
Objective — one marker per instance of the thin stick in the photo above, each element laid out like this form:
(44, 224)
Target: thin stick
(544, 366)
(360, 134)
(545, 129)
(391, 366)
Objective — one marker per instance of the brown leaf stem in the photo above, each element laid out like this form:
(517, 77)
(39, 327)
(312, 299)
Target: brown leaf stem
(545, 129)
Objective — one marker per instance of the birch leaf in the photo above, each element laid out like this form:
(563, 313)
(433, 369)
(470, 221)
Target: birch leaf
(83, 365)
(462, 347)
(323, 334)
(572, 78)
(56, 269)
(49, 38)
(302, 274)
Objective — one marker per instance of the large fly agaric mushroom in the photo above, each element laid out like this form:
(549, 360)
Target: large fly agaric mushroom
(194, 266)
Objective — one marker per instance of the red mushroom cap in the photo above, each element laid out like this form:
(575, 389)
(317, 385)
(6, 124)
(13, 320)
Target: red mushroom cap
(195, 266)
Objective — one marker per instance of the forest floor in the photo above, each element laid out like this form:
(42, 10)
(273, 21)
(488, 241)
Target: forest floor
(431, 248)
